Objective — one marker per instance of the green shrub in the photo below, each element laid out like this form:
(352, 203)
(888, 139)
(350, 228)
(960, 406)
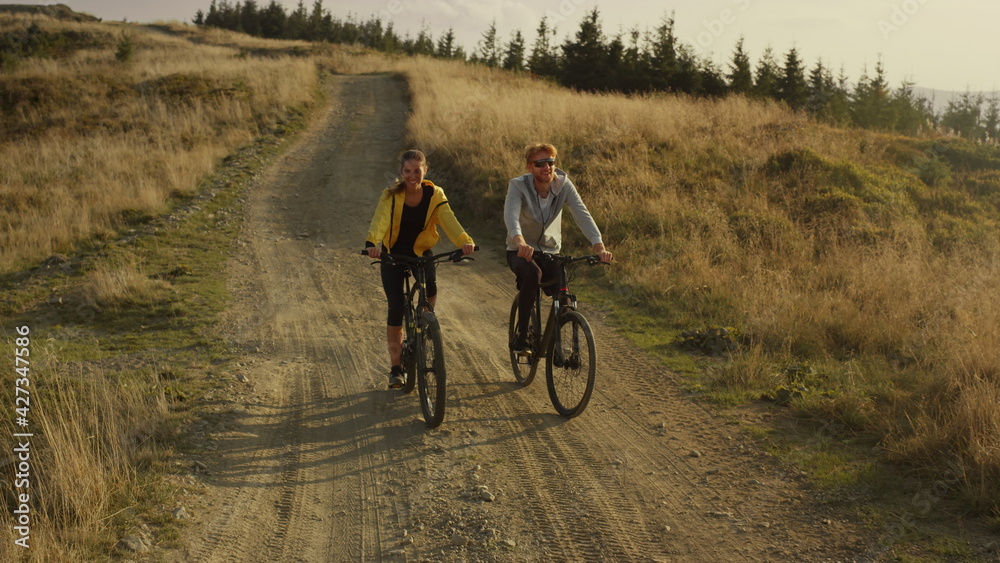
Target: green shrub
(126, 48)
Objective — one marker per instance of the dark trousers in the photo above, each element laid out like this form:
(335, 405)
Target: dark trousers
(527, 283)
(392, 285)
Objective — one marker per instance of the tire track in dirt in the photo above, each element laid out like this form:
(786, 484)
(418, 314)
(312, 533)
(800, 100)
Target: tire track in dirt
(320, 451)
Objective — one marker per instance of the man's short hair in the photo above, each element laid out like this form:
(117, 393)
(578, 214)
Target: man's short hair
(530, 150)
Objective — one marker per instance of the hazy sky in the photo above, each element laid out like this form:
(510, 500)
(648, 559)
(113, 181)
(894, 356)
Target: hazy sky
(942, 44)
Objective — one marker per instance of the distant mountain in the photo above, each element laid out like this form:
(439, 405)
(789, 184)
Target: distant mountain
(939, 98)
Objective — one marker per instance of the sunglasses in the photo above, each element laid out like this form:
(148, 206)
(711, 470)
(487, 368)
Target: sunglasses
(544, 162)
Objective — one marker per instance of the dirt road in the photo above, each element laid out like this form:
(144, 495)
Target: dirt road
(317, 461)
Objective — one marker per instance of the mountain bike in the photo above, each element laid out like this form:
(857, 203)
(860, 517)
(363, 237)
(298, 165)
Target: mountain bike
(567, 343)
(422, 353)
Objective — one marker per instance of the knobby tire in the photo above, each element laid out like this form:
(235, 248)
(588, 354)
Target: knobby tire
(409, 355)
(571, 385)
(524, 373)
(431, 378)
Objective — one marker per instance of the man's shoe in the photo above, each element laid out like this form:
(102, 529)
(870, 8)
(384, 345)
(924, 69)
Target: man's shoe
(520, 346)
(396, 379)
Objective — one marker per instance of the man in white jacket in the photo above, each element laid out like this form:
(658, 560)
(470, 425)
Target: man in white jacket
(533, 216)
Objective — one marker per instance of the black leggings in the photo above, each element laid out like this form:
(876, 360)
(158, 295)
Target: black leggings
(392, 285)
(527, 283)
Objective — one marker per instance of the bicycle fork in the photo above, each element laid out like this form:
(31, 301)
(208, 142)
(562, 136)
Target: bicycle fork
(552, 330)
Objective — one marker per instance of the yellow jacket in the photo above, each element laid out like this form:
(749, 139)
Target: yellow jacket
(384, 227)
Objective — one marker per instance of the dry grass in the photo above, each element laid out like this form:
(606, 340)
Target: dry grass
(89, 142)
(91, 433)
(814, 241)
(119, 283)
(88, 146)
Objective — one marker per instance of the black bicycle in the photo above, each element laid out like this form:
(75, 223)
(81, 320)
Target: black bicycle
(567, 344)
(422, 353)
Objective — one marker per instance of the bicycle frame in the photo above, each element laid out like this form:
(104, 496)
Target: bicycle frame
(569, 365)
(414, 267)
(562, 300)
(422, 333)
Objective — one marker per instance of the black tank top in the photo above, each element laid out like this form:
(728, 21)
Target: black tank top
(411, 224)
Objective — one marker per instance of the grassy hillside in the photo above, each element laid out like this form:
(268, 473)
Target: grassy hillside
(103, 123)
(123, 154)
(855, 271)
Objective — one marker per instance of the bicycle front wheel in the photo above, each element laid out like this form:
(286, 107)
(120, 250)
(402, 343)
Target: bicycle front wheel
(430, 370)
(570, 369)
(408, 353)
(523, 365)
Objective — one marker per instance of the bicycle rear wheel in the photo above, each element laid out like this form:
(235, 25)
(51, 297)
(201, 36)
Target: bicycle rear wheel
(430, 371)
(570, 371)
(523, 365)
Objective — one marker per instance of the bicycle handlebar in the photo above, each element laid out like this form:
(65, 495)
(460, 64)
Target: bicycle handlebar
(452, 255)
(591, 259)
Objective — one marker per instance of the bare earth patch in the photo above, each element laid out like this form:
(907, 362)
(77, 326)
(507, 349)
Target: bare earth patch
(317, 461)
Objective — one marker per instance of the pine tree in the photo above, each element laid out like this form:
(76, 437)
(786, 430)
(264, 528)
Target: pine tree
(489, 47)
(585, 60)
(991, 119)
(316, 30)
(543, 60)
(272, 20)
(911, 113)
(766, 75)
(792, 87)
(711, 81)
(963, 116)
(687, 78)
(840, 100)
(616, 78)
(663, 56)
(212, 18)
(230, 16)
(740, 75)
(297, 24)
(633, 72)
(446, 45)
(513, 58)
(820, 87)
(250, 18)
(424, 44)
(870, 102)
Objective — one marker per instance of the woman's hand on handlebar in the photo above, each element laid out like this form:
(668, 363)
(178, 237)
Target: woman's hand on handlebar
(469, 249)
(374, 252)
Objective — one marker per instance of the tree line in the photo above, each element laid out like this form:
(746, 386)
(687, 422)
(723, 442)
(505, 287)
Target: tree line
(638, 63)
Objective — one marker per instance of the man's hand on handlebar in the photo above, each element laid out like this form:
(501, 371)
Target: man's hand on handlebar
(606, 256)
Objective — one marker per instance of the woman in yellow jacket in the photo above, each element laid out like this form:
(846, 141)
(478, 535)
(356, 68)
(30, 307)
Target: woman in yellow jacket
(405, 222)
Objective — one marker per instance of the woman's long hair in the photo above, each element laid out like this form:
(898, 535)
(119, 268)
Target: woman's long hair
(412, 154)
